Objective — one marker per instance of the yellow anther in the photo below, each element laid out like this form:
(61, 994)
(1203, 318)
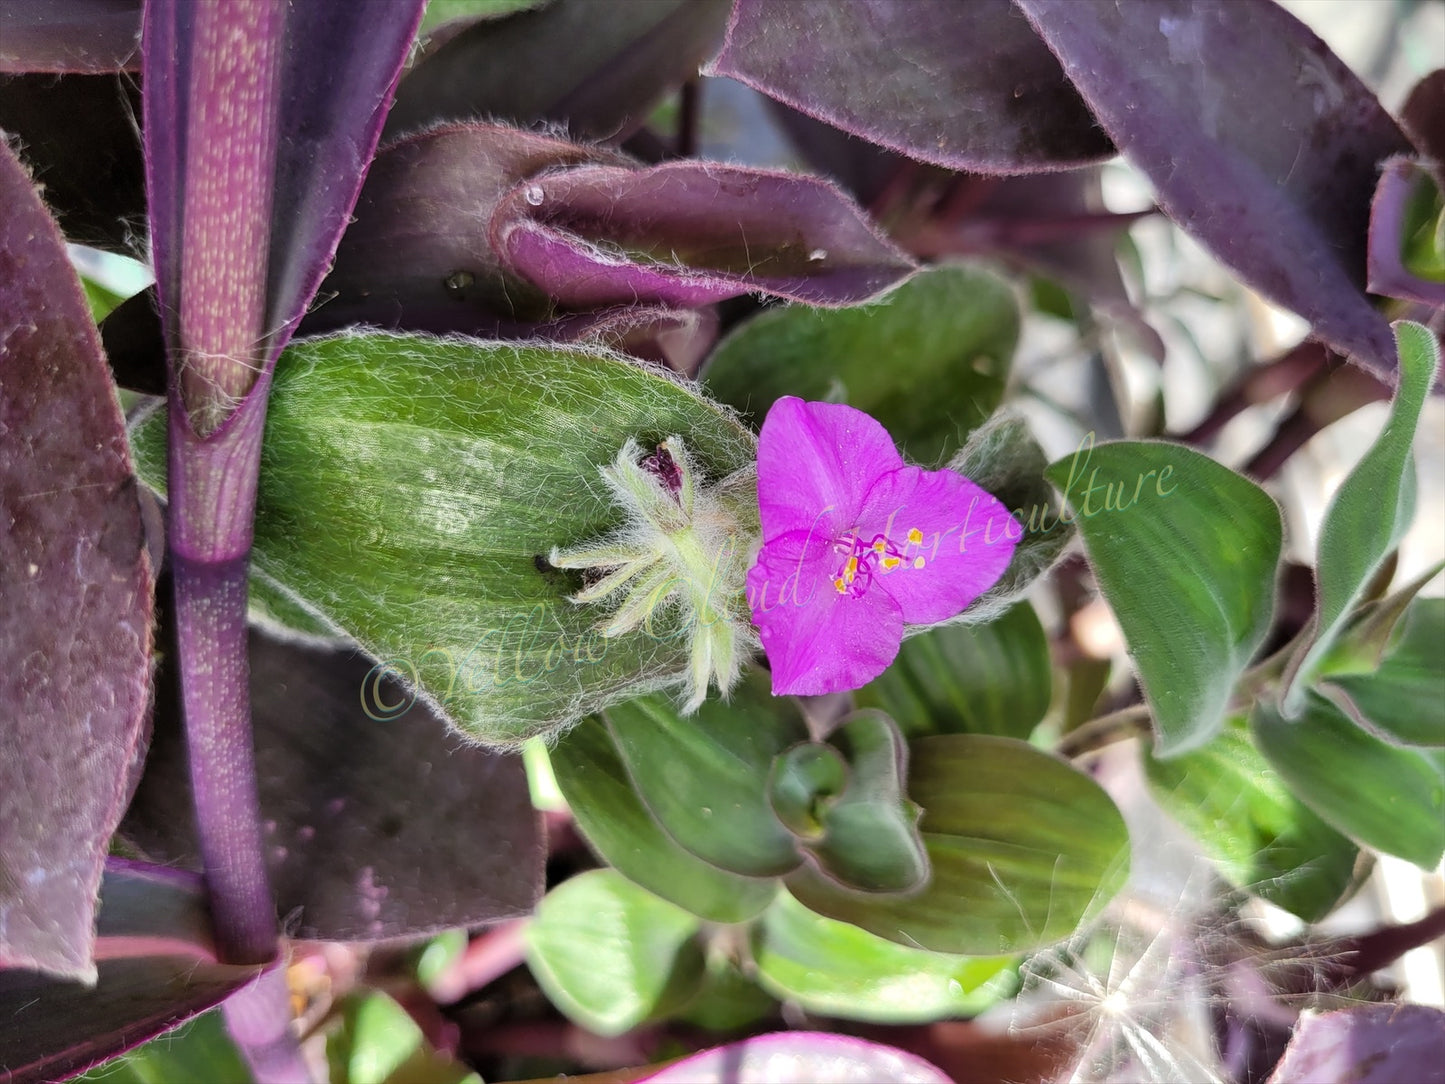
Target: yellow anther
(915, 535)
(918, 562)
(840, 585)
(890, 563)
(879, 546)
(852, 569)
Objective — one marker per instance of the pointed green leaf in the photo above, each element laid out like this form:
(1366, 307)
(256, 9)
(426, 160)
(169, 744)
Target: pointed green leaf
(412, 488)
(1405, 698)
(1264, 839)
(704, 777)
(1185, 552)
(610, 955)
(993, 678)
(929, 361)
(1003, 457)
(607, 809)
(1380, 795)
(1370, 511)
(1023, 850)
(377, 1042)
(837, 969)
(200, 1049)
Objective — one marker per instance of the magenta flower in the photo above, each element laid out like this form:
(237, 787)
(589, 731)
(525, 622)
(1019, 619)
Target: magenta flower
(857, 544)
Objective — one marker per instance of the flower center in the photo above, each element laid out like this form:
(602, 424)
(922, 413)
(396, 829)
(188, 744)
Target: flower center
(864, 559)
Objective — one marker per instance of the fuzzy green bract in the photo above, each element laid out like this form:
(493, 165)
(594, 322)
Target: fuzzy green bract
(413, 488)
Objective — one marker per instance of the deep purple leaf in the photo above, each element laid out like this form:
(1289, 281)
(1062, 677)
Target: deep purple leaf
(375, 827)
(595, 66)
(1388, 273)
(156, 969)
(1259, 141)
(418, 256)
(962, 85)
(76, 585)
(800, 1057)
(77, 135)
(69, 35)
(247, 204)
(688, 233)
(1423, 118)
(1368, 1044)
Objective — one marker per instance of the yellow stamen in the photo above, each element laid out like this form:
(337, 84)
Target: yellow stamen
(840, 585)
(890, 563)
(852, 569)
(879, 546)
(915, 536)
(918, 562)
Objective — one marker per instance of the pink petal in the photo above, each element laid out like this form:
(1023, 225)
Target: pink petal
(817, 640)
(816, 463)
(968, 537)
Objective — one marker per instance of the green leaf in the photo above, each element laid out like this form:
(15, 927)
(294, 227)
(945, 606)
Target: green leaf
(929, 361)
(378, 1042)
(1369, 513)
(1003, 457)
(412, 488)
(443, 11)
(870, 835)
(200, 1049)
(1380, 795)
(969, 679)
(1405, 698)
(837, 969)
(1023, 850)
(612, 956)
(1185, 552)
(704, 777)
(599, 792)
(1264, 840)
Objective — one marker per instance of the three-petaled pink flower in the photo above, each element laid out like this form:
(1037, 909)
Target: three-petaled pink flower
(857, 544)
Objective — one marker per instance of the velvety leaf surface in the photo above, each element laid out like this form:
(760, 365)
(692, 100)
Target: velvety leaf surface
(1185, 552)
(1369, 512)
(1023, 849)
(929, 361)
(594, 66)
(612, 817)
(611, 955)
(478, 459)
(69, 35)
(156, 969)
(1406, 207)
(76, 584)
(836, 969)
(1263, 839)
(199, 1049)
(417, 256)
(76, 134)
(688, 233)
(992, 678)
(1366, 1044)
(378, 823)
(1402, 699)
(1259, 142)
(966, 86)
(800, 1057)
(704, 776)
(1381, 795)
(1002, 456)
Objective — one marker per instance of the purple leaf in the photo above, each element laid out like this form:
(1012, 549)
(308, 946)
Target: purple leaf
(156, 969)
(418, 256)
(77, 135)
(689, 233)
(77, 586)
(378, 823)
(1369, 1044)
(69, 35)
(856, 544)
(314, 84)
(1399, 185)
(800, 1057)
(1259, 141)
(596, 66)
(1423, 118)
(962, 85)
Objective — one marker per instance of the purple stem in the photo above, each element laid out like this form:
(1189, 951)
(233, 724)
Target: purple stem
(258, 1017)
(213, 496)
